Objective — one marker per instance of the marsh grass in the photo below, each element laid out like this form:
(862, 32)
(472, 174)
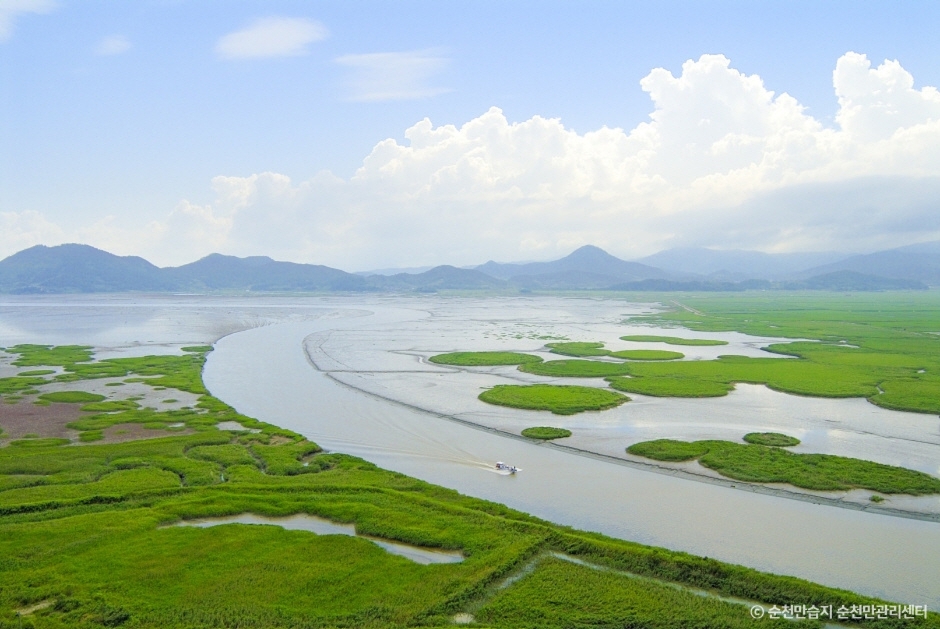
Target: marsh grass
(546, 433)
(578, 349)
(559, 399)
(670, 387)
(647, 354)
(670, 340)
(71, 397)
(18, 384)
(868, 342)
(560, 594)
(86, 530)
(774, 439)
(763, 464)
(576, 368)
(484, 359)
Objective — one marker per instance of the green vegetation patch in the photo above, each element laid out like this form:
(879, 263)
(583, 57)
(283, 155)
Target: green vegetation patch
(546, 433)
(647, 354)
(111, 406)
(578, 349)
(19, 384)
(670, 340)
(39, 443)
(484, 359)
(50, 355)
(576, 368)
(670, 387)
(36, 372)
(883, 347)
(71, 397)
(669, 449)
(559, 399)
(774, 439)
(197, 349)
(560, 594)
(762, 464)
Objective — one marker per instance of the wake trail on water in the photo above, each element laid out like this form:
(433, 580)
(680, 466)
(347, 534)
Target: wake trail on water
(354, 447)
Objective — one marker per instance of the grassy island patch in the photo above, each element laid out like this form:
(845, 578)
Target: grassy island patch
(484, 359)
(546, 432)
(559, 399)
(647, 354)
(763, 464)
(670, 387)
(670, 340)
(71, 397)
(578, 349)
(576, 368)
(774, 439)
(884, 347)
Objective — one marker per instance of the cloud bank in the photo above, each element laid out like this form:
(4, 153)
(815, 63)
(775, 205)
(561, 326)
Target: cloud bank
(271, 37)
(112, 45)
(722, 161)
(11, 9)
(384, 76)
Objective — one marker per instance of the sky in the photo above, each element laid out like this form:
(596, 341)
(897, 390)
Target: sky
(367, 134)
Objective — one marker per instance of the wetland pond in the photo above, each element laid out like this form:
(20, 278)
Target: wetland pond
(322, 526)
(351, 373)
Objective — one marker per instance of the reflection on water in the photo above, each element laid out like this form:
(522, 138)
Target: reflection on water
(322, 526)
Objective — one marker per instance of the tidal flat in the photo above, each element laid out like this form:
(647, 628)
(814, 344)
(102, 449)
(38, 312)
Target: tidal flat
(380, 346)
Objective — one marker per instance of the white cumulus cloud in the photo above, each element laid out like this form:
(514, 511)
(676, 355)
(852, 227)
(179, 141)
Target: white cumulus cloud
(382, 76)
(11, 9)
(112, 45)
(722, 161)
(271, 37)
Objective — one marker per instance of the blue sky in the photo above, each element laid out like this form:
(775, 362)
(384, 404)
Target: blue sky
(137, 128)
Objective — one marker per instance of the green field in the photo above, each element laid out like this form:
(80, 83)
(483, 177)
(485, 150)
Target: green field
(546, 433)
(484, 359)
(559, 399)
(576, 368)
(71, 397)
(775, 439)
(671, 387)
(863, 342)
(647, 354)
(763, 464)
(578, 349)
(85, 542)
(670, 340)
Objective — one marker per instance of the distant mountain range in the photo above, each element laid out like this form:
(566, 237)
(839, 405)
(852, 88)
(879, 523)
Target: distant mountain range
(736, 264)
(75, 268)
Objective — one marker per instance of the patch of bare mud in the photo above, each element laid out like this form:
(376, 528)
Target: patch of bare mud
(24, 418)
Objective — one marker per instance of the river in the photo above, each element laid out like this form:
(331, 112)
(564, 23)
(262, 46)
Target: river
(265, 372)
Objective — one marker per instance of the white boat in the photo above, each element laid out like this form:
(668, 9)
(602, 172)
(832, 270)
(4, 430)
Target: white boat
(505, 467)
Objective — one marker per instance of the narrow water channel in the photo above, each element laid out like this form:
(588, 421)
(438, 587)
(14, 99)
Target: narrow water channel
(265, 373)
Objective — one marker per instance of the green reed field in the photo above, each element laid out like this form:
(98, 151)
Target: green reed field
(756, 463)
(86, 535)
(881, 346)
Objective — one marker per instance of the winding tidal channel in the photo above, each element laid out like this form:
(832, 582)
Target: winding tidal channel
(266, 373)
